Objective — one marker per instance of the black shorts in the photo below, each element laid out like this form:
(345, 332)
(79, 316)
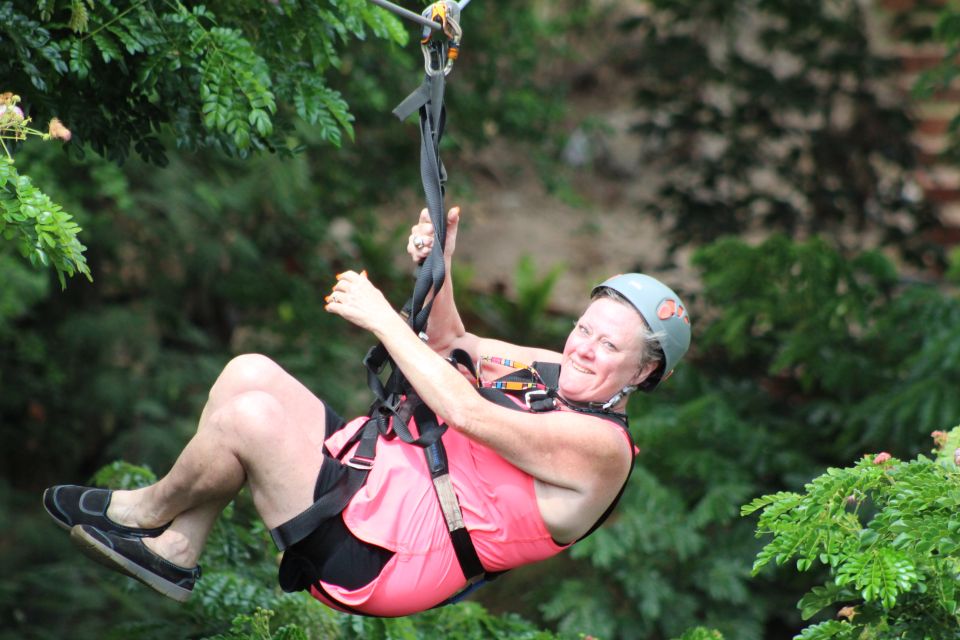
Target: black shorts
(331, 553)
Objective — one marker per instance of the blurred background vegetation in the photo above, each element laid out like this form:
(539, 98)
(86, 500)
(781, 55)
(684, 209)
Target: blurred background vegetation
(773, 141)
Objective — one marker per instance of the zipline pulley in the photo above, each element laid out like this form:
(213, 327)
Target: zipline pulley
(438, 54)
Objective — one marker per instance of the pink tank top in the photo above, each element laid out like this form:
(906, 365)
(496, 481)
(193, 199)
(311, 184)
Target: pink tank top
(397, 509)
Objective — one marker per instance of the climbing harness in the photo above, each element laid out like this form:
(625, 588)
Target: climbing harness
(394, 401)
(396, 405)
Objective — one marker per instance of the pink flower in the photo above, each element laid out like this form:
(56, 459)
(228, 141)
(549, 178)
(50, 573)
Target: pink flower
(881, 457)
(847, 612)
(939, 438)
(58, 131)
(11, 112)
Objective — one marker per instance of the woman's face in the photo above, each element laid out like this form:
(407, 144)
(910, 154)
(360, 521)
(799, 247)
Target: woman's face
(602, 354)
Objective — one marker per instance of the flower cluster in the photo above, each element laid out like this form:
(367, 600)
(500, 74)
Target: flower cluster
(12, 120)
(15, 125)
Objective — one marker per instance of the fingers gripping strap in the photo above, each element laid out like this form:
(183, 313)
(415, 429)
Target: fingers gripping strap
(432, 272)
(428, 98)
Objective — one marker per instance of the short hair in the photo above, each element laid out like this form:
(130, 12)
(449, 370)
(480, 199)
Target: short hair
(650, 347)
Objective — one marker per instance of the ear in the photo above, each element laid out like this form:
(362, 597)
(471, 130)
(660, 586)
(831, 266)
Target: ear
(645, 372)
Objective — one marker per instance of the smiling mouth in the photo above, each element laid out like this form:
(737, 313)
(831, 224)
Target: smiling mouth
(580, 369)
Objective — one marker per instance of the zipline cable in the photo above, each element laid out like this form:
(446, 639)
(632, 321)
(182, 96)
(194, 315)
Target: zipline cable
(415, 17)
(409, 15)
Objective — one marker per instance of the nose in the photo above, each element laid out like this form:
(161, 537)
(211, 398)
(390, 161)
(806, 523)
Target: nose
(585, 349)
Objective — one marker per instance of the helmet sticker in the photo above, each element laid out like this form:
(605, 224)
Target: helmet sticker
(670, 308)
(667, 309)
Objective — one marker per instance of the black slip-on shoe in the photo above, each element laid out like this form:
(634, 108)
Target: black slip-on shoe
(131, 557)
(70, 505)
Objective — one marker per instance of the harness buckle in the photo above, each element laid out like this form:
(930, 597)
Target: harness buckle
(538, 397)
(360, 463)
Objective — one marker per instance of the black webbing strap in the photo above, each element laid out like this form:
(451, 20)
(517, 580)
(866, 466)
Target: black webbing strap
(329, 505)
(428, 99)
(336, 499)
(392, 396)
(436, 457)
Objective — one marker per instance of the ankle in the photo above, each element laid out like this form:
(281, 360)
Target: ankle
(128, 508)
(175, 548)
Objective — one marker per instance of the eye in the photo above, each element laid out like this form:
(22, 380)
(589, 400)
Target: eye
(609, 346)
(582, 328)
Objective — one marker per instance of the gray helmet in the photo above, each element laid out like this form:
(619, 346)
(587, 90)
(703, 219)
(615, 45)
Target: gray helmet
(663, 311)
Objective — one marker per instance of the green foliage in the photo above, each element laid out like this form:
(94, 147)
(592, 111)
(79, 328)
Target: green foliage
(841, 333)
(766, 114)
(803, 302)
(23, 288)
(257, 627)
(946, 33)
(215, 73)
(888, 533)
(701, 633)
(122, 73)
(523, 313)
(123, 475)
(243, 77)
(829, 629)
(41, 230)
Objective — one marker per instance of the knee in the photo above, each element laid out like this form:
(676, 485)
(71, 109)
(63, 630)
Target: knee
(247, 372)
(251, 418)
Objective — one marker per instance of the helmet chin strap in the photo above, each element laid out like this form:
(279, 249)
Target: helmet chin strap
(627, 390)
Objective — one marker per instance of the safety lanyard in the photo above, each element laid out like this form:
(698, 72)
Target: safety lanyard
(510, 385)
(439, 54)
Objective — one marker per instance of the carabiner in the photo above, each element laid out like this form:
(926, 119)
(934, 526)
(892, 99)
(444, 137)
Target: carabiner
(440, 59)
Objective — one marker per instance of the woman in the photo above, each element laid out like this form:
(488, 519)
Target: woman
(528, 483)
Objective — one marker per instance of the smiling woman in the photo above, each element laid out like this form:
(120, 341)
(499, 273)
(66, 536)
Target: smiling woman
(600, 350)
(534, 456)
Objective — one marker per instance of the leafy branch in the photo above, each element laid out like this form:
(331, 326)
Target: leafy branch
(887, 532)
(42, 231)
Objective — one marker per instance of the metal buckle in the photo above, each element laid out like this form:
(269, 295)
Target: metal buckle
(362, 464)
(532, 396)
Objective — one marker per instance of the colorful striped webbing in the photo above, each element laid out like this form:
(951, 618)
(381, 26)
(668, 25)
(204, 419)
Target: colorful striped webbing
(512, 385)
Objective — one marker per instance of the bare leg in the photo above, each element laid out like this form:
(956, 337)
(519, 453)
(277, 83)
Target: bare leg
(260, 427)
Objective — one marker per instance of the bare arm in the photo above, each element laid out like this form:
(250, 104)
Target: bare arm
(446, 330)
(565, 450)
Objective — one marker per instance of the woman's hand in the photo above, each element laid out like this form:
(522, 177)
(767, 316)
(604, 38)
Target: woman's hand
(420, 242)
(357, 300)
